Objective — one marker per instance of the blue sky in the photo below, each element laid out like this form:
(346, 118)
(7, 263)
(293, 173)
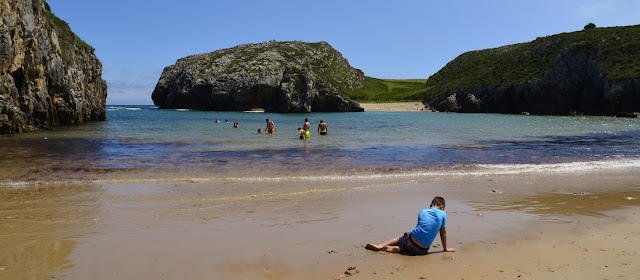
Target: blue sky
(399, 39)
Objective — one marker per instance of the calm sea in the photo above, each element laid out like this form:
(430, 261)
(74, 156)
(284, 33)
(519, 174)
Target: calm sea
(144, 144)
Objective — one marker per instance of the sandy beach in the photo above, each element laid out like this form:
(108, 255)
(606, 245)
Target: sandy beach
(394, 107)
(558, 226)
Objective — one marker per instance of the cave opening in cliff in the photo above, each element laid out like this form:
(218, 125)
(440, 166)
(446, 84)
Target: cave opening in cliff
(19, 80)
(324, 104)
(264, 97)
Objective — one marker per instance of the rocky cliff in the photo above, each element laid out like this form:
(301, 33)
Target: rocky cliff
(48, 76)
(593, 72)
(275, 76)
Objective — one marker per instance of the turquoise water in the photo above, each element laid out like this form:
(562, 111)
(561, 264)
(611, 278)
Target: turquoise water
(139, 143)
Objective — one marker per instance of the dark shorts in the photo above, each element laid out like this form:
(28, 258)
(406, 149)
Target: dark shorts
(407, 244)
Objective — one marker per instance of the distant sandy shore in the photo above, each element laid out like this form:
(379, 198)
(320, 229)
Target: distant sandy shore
(526, 226)
(393, 107)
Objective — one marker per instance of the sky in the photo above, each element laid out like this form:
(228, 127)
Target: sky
(400, 39)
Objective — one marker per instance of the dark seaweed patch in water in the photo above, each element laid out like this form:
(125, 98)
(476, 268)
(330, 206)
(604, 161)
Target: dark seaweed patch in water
(593, 146)
(553, 149)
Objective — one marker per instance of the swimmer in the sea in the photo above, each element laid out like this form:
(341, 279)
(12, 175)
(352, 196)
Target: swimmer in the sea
(322, 128)
(270, 126)
(307, 128)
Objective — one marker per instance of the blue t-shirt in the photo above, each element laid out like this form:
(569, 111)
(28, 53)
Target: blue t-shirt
(430, 221)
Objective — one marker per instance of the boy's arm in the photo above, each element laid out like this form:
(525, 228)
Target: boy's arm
(443, 238)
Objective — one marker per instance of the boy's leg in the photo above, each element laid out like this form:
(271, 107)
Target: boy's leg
(389, 246)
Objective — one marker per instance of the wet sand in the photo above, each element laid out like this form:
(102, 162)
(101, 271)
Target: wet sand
(394, 107)
(528, 226)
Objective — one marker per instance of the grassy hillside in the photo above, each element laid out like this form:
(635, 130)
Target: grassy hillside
(616, 51)
(387, 90)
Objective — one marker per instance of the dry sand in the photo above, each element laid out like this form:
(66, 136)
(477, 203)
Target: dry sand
(509, 227)
(394, 107)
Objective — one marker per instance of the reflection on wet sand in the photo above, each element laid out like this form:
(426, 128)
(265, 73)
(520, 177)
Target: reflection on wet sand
(39, 226)
(236, 229)
(562, 204)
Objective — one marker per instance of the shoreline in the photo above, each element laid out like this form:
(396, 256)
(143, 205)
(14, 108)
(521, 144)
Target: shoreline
(413, 106)
(557, 226)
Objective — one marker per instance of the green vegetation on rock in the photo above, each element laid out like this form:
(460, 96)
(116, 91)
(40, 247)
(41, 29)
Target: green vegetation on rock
(319, 58)
(69, 41)
(290, 76)
(616, 51)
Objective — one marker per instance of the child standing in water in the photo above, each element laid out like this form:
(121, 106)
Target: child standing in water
(431, 221)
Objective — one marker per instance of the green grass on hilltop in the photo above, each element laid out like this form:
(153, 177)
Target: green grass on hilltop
(387, 90)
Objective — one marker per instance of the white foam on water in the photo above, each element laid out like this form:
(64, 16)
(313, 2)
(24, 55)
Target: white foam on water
(118, 108)
(570, 167)
(477, 170)
(456, 171)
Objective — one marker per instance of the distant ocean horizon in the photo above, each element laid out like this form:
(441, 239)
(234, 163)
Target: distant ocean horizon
(144, 144)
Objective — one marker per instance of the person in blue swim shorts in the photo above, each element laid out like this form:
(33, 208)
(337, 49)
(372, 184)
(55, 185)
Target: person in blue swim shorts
(431, 221)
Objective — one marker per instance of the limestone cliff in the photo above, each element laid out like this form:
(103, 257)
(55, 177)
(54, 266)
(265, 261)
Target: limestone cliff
(275, 76)
(48, 75)
(593, 71)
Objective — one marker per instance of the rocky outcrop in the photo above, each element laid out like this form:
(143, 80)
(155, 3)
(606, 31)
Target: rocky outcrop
(275, 76)
(48, 76)
(586, 73)
(574, 85)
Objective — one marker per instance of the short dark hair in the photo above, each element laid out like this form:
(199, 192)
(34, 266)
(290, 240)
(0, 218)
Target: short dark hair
(306, 119)
(437, 201)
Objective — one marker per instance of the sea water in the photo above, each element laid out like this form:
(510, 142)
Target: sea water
(145, 144)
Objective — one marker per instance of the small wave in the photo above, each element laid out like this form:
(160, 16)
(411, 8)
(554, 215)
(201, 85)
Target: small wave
(118, 108)
(570, 167)
(474, 170)
(456, 171)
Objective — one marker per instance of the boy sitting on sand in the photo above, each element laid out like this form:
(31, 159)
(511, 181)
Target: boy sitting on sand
(430, 222)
